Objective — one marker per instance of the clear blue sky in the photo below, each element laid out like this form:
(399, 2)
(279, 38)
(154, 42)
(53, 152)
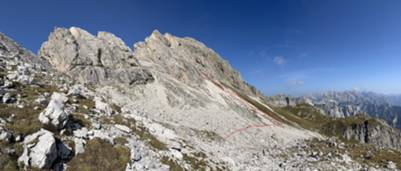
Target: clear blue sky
(282, 46)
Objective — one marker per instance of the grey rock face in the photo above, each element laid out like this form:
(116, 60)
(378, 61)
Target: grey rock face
(11, 50)
(281, 101)
(55, 114)
(188, 61)
(350, 103)
(40, 150)
(371, 131)
(91, 60)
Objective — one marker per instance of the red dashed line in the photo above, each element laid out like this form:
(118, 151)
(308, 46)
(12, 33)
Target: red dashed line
(237, 131)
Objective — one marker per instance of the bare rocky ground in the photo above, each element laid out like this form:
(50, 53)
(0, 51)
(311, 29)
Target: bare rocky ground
(89, 102)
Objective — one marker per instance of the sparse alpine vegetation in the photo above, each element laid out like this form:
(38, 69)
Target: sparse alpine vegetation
(89, 102)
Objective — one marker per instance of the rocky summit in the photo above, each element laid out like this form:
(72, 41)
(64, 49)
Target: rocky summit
(90, 102)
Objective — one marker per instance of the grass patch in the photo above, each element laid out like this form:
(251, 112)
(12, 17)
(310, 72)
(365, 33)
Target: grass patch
(7, 162)
(80, 119)
(170, 162)
(310, 118)
(30, 93)
(144, 135)
(304, 115)
(359, 153)
(382, 157)
(85, 105)
(120, 140)
(26, 119)
(100, 155)
(197, 163)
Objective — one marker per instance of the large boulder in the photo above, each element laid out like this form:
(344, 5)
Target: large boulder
(93, 59)
(54, 114)
(40, 150)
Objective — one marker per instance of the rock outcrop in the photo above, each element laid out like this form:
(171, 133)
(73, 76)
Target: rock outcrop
(188, 61)
(370, 131)
(55, 113)
(350, 103)
(93, 59)
(281, 101)
(11, 50)
(40, 150)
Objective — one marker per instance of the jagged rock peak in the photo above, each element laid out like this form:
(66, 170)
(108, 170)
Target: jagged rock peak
(92, 59)
(9, 48)
(13, 51)
(188, 60)
(67, 48)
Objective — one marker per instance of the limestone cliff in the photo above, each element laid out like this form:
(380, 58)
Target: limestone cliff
(93, 59)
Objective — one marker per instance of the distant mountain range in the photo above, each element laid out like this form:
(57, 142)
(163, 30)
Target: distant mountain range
(341, 104)
(394, 100)
(350, 103)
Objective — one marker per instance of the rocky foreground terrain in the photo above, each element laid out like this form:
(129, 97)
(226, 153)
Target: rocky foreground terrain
(89, 102)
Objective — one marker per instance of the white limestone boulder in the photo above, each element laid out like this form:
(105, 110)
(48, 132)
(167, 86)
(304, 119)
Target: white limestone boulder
(40, 150)
(55, 114)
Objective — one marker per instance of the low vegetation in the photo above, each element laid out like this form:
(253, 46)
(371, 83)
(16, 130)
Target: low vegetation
(25, 120)
(304, 115)
(100, 155)
(336, 127)
(197, 162)
(120, 140)
(29, 93)
(80, 119)
(362, 153)
(141, 131)
(84, 105)
(8, 162)
(310, 118)
(171, 163)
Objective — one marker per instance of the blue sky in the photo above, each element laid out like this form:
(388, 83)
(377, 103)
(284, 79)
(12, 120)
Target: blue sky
(282, 46)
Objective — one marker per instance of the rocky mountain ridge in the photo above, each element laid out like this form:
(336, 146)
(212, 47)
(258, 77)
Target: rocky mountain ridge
(102, 59)
(169, 104)
(350, 103)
